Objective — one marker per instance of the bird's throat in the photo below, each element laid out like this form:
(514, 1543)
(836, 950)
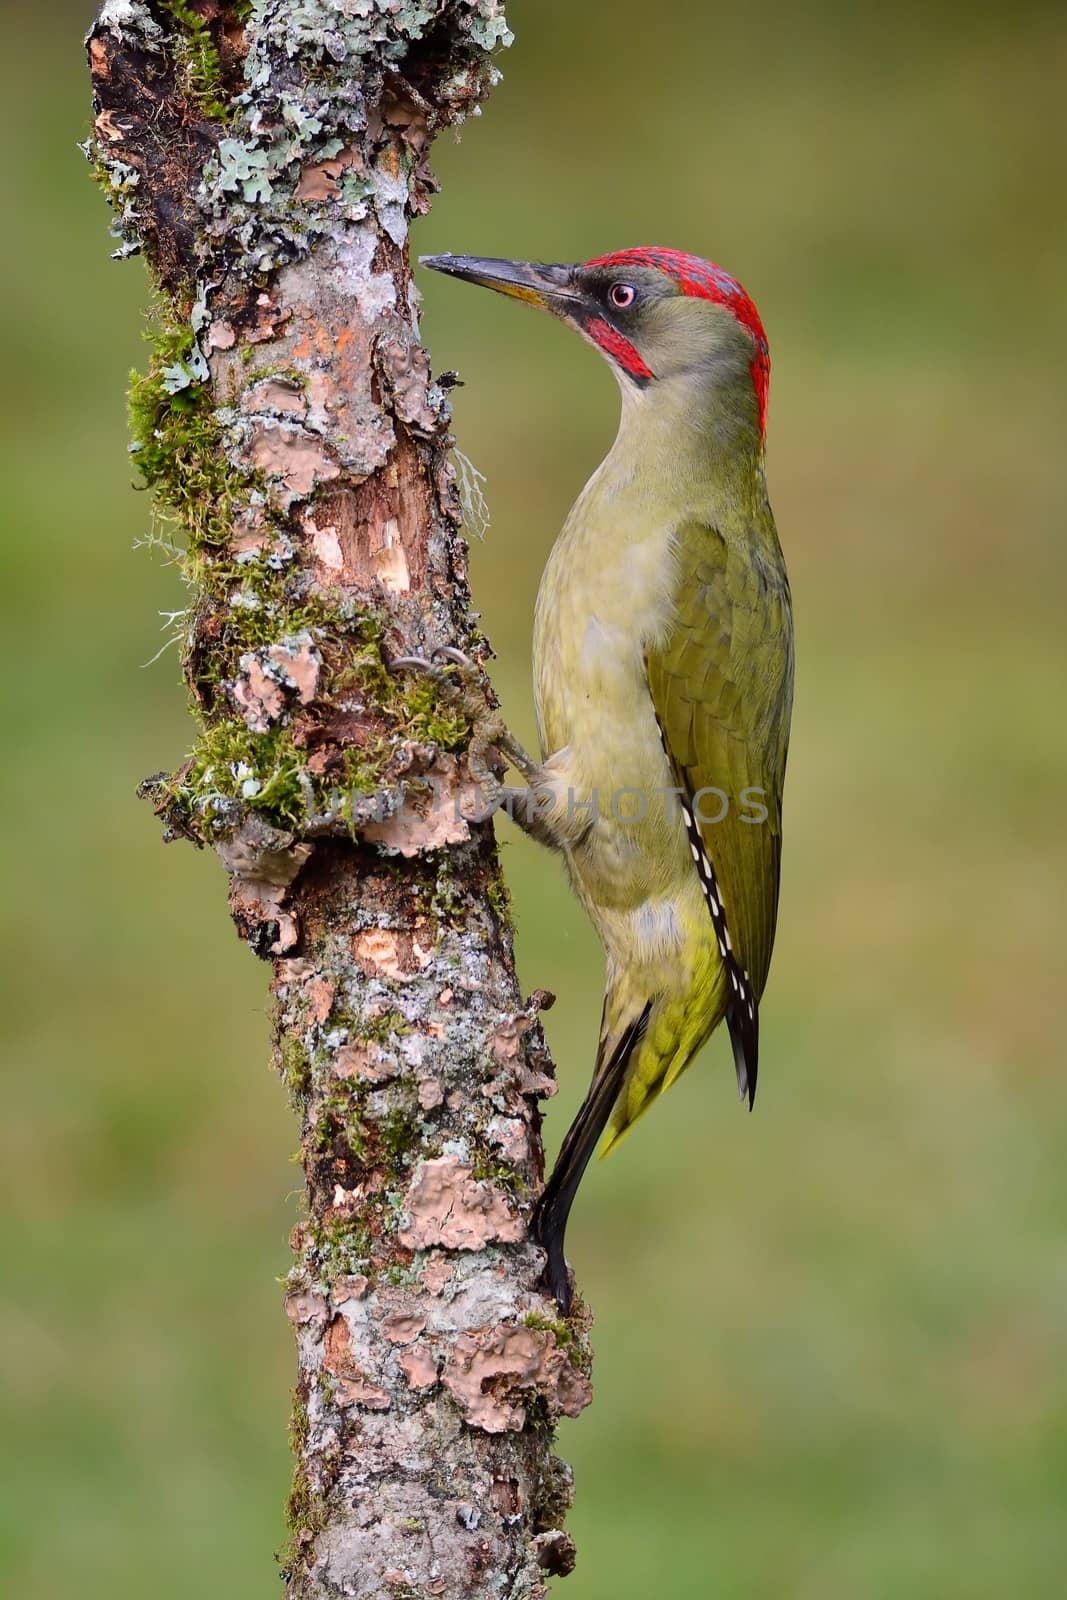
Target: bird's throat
(688, 448)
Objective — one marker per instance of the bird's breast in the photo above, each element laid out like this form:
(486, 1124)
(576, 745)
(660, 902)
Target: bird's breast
(605, 596)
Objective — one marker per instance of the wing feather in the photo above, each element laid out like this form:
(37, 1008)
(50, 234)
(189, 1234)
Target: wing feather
(722, 686)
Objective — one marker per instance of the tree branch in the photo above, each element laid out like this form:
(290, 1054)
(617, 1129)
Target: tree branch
(268, 158)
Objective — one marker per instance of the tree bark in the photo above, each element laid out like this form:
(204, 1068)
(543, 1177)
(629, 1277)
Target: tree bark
(268, 158)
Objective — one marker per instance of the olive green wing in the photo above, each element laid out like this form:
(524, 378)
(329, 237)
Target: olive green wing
(722, 687)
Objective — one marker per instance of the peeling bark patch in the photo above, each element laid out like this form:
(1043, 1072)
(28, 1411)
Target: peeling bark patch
(319, 996)
(400, 1329)
(510, 1135)
(263, 863)
(556, 1552)
(221, 336)
(272, 679)
(292, 454)
(430, 1094)
(268, 319)
(448, 1206)
(390, 561)
(366, 1061)
(353, 1387)
(419, 1368)
(432, 823)
(327, 548)
(274, 395)
(435, 1274)
(379, 526)
(492, 1375)
(521, 1061)
(305, 1308)
(349, 1289)
(387, 953)
(320, 180)
(507, 1038)
(358, 1392)
(405, 369)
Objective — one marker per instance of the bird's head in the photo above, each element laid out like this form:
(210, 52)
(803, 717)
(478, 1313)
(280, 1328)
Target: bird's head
(656, 315)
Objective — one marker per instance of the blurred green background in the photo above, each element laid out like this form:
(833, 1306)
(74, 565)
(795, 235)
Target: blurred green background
(831, 1337)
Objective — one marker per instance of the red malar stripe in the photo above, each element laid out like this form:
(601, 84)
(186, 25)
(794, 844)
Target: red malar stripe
(611, 340)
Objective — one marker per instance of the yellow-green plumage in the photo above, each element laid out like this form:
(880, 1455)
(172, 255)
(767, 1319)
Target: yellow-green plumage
(663, 668)
(649, 614)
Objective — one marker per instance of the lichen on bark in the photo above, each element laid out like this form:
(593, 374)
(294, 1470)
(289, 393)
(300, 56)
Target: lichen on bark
(269, 158)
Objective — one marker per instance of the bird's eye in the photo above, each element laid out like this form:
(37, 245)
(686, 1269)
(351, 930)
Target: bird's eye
(622, 295)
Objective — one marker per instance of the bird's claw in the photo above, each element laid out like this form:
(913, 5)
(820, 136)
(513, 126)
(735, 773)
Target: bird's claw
(459, 678)
(428, 663)
(463, 682)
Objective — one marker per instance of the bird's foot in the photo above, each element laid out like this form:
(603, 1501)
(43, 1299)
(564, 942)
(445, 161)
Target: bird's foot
(459, 679)
(463, 683)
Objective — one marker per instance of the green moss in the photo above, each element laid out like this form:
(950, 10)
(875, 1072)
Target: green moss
(389, 1025)
(299, 1424)
(294, 1065)
(200, 59)
(340, 1115)
(431, 717)
(499, 898)
(305, 1509)
(177, 444)
(398, 1132)
(563, 1332)
(501, 1176)
(231, 766)
(398, 1277)
(448, 903)
(427, 714)
(256, 602)
(553, 1496)
(341, 1246)
(305, 1519)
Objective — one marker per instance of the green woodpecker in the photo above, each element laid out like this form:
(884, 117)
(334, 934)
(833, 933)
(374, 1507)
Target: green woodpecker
(663, 673)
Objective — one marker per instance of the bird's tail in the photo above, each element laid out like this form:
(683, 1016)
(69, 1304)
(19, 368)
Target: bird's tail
(549, 1223)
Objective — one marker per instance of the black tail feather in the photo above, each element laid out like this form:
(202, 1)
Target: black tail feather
(742, 1020)
(549, 1222)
